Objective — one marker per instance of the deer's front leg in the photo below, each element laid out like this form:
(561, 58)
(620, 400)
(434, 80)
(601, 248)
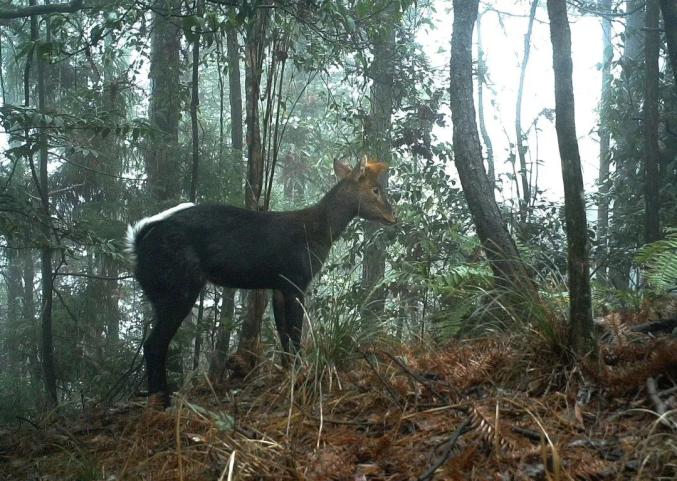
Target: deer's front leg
(279, 311)
(294, 310)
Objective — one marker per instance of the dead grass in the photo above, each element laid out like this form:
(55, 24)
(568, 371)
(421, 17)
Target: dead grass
(457, 413)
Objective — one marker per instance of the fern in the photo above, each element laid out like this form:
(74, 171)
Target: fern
(660, 262)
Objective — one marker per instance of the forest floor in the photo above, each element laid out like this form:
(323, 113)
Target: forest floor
(499, 408)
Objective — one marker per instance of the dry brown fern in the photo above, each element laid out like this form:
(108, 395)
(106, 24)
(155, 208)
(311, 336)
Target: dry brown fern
(490, 431)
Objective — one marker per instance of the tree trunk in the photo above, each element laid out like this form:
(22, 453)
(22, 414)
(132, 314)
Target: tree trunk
(162, 155)
(378, 146)
(217, 364)
(669, 9)
(580, 302)
(235, 97)
(481, 76)
(499, 246)
(604, 139)
(12, 340)
(195, 139)
(28, 316)
(194, 104)
(521, 148)
(46, 273)
(255, 39)
(650, 124)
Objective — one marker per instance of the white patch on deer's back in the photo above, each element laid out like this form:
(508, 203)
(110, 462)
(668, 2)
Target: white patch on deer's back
(132, 231)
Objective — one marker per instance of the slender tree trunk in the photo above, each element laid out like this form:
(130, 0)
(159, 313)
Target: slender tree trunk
(194, 104)
(28, 317)
(650, 124)
(255, 40)
(521, 148)
(378, 146)
(195, 134)
(491, 229)
(162, 154)
(481, 78)
(47, 279)
(11, 341)
(235, 98)
(217, 363)
(254, 52)
(669, 10)
(604, 139)
(580, 307)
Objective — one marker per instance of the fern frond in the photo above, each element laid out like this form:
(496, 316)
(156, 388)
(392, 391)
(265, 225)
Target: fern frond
(660, 261)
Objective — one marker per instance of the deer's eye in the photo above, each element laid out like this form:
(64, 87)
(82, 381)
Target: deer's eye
(375, 190)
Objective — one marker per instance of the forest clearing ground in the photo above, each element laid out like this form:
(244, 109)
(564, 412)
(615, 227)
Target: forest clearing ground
(482, 409)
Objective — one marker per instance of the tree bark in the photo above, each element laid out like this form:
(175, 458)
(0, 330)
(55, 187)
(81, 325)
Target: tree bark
(481, 76)
(235, 98)
(194, 104)
(650, 124)
(28, 316)
(255, 40)
(604, 140)
(500, 248)
(162, 155)
(378, 146)
(580, 301)
(521, 148)
(669, 10)
(46, 273)
(11, 341)
(217, 365)
(195, 137)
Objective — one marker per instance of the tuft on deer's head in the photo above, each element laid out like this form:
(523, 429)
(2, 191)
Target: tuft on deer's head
(179, 250)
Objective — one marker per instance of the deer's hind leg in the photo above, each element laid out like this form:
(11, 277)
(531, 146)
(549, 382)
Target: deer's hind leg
(172, 280)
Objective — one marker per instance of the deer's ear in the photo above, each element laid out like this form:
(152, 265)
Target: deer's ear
(341, 170)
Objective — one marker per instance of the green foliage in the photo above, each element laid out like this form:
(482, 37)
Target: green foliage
(660, 262)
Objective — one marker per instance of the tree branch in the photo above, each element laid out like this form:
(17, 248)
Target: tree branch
(70, 7)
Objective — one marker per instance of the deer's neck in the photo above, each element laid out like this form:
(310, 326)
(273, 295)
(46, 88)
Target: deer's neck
(333, 214)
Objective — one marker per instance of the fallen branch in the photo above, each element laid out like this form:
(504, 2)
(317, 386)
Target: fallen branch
(393, 394)
(447, 446)
(655, 398)
(663, 325)
(420, 379)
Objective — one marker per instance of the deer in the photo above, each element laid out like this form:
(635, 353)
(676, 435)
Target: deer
(179, 250)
